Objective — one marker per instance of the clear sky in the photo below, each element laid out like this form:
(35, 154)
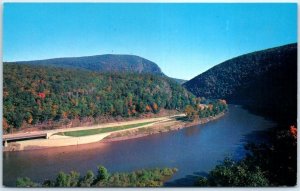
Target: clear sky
(183, 39)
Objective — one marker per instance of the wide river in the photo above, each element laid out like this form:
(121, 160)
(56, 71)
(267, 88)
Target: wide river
(194, 150)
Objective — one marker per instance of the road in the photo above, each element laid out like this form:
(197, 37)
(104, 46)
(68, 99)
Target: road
(44, 133)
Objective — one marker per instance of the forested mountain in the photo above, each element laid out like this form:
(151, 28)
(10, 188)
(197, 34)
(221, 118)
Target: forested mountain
(265, 79)
(35, 94)
(102, 63)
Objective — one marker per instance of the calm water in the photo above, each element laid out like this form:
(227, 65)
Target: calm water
(193, 150)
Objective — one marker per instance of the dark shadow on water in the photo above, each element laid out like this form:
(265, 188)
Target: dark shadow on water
(187, 181)
(256, 137)
(259, 136)
(283, 117)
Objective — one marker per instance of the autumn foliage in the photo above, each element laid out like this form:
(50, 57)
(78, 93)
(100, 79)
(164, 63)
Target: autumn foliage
(5, 125)
(39, 94)
(42, 95)
(200, 110)
(148, 108)
(293, 131)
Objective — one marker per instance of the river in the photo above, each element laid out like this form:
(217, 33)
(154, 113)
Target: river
(194, 150)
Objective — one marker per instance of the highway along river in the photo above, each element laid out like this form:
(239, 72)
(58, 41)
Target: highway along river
(192, 150)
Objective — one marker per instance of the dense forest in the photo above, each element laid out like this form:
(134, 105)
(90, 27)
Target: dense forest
(205, 108)
(139, 178)
(35, 94)
(265, 80)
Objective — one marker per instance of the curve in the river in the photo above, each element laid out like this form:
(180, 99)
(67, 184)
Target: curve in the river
(192, 150)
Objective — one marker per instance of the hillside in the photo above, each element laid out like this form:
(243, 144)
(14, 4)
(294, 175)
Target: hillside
(101, 63)
(264, 80)
(38, 94)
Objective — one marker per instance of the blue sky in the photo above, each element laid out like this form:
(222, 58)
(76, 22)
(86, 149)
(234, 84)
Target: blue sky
(183, 39)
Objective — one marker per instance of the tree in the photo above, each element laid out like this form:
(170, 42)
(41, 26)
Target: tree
(28, 117)
(148, 108)
(118, 105)
(190, 112)
(293, 131)
(38, 94)
(74, 178)
(155, 107)
(231, 173)
(278, 159)
(25, 182)
(142, 178)
(18, 120)
(5, 125)
(62, 180)
(88, 179)
(102, 174)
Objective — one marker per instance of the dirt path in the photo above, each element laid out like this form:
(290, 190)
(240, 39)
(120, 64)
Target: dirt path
(156, 125)
(51, 132)
(54, 140)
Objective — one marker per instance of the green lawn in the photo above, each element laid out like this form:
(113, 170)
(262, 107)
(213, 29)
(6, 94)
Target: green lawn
(81, 133)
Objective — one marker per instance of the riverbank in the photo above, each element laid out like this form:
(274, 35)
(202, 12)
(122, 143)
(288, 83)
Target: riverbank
(56, 138)
(198, 147)
(90, 122)
(159, 128)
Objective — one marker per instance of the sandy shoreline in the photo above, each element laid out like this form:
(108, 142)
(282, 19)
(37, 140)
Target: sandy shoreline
(158, 125)
(155, 130)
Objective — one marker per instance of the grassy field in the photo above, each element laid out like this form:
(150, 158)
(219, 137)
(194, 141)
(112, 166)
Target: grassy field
(81, 133)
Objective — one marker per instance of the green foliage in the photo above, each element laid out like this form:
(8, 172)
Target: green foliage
(264, 165)
(37, 94)
(87, 180)
(25, 182)
(139, 178)
(102, 174)
(168, 171)
(74, 178)
(62, 180)
(212, 108)
(231, 173)
(264, 80)
(278, 160)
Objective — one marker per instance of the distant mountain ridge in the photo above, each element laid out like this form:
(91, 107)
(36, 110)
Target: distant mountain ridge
(180, 81)
(264, 79)
(101, 63)
(120, 63)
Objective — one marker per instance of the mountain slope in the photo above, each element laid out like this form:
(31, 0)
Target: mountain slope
(101, 63)
(264, 79)
(40, 94)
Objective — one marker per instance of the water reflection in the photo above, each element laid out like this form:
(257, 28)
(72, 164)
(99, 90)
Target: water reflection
(192, 131)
